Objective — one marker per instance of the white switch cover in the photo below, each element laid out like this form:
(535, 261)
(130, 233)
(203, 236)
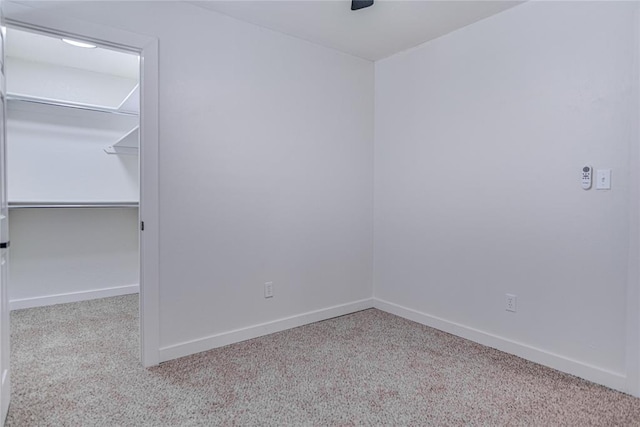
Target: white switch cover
(603, 179)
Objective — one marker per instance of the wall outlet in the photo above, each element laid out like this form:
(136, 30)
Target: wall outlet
(268, 290)
(510, 302)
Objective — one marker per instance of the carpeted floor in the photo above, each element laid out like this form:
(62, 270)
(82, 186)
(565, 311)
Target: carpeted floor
(77, 365)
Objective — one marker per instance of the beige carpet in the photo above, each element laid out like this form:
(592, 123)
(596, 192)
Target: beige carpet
(77, 365)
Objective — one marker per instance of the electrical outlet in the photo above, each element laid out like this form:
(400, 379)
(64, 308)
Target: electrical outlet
(268, 290)
(510, 302)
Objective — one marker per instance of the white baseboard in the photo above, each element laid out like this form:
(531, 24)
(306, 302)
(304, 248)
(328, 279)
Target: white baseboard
(555, 361)
(255, 331)
(18, 304)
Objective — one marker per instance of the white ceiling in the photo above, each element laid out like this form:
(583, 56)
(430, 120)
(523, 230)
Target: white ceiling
(386, 28)
(51, 50)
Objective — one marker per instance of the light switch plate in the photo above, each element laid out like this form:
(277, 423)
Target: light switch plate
(603, 179)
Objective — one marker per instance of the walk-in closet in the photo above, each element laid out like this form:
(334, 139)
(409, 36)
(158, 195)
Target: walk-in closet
(73, 170)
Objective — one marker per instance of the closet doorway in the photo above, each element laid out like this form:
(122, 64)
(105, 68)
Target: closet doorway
(56, 25)
(73, 120)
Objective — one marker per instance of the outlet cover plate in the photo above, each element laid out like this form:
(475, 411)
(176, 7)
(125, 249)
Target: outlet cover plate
(268, 290)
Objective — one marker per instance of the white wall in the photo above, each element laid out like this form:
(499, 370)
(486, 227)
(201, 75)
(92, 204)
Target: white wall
(479, 141)
(64, 255)
(66, 84)
(266, 175)
(265, 171)
(56, 154)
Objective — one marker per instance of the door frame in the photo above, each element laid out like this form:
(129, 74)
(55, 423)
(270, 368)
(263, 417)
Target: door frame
(46, 22)
(632, 356)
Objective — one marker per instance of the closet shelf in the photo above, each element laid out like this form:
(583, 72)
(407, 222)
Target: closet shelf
(127, 145)
(54, 103)
(127, 151)
(132, 102)
(47, 205)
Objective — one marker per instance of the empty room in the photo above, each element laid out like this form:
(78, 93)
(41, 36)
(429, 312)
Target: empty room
(333, 213)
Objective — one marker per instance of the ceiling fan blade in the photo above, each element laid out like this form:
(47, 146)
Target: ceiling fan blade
(360, 4)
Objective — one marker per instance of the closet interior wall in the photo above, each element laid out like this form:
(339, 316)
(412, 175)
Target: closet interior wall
(73, 202)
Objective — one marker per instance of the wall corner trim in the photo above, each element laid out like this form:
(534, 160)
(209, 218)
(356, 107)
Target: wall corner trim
(561, 363)
(231, 337)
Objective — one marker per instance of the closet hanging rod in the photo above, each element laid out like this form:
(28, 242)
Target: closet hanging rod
(40, 101)
(41, 205)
